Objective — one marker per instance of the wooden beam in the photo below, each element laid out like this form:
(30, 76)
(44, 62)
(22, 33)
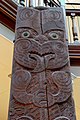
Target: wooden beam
(5, 20)
(74, 53)
(69, 11)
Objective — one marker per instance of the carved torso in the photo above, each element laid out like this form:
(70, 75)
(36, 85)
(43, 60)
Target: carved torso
(41, 87)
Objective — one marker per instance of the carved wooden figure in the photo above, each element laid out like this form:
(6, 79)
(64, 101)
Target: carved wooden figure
(41, 87)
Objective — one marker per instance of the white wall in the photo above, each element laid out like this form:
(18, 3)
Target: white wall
(7, 32)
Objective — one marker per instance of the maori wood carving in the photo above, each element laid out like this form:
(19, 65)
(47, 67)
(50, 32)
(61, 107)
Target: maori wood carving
(41, 87)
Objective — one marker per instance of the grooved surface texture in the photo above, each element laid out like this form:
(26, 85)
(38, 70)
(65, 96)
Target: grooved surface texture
(41, 87)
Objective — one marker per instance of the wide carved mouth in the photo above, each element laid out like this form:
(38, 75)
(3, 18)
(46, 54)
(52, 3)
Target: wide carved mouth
(38, 57)
(41, 54)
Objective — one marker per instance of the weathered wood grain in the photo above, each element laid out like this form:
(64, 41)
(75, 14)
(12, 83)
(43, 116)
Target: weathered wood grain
(41, 87)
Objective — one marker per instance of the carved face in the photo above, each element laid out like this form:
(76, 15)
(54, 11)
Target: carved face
(41, 79)
(40, 42)
(40, 51)
(33, 90)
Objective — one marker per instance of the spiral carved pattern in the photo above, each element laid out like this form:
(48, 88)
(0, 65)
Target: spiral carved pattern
(21, 80)
(41, 86)
(31, 54)
(63, 81)
(53, 19)
(26, 14)
(54, 15)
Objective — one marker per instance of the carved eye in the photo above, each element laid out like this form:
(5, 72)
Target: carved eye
(25, 34)
(53, 35)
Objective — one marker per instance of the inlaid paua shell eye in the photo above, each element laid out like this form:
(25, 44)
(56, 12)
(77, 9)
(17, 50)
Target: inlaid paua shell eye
(25, 34)
(53, 35)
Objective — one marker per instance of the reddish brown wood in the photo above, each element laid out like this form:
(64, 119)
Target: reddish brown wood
(74, 53)
(8, 13)
(5, 20)
(41, 87)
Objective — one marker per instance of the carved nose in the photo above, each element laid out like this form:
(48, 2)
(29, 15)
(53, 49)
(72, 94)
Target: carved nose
(41, 38)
